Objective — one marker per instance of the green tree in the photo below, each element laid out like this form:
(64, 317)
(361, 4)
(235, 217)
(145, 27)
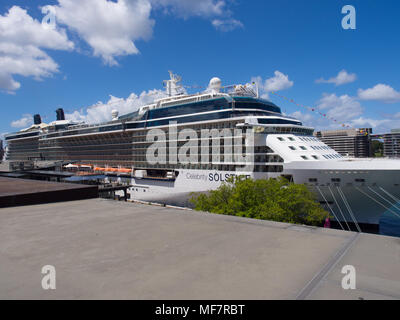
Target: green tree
(377, 148)
(266, 199)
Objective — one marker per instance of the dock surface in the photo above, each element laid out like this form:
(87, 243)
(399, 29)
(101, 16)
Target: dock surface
(17, 192)
(104, 249)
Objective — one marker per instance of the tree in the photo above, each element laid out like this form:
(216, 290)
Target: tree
(377, 148)
(266, 199)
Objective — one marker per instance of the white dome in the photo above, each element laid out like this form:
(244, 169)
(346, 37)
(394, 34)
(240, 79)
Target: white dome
(215, 84)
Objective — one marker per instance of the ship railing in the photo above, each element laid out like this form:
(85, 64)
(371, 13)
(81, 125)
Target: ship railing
(240, 90)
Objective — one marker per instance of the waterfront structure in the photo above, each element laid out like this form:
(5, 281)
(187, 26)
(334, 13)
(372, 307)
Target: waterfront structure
(391, 144)
(354, 143)
(185, 143)
(1, 150)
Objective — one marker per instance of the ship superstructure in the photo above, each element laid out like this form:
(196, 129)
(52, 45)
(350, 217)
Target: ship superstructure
(187, 143)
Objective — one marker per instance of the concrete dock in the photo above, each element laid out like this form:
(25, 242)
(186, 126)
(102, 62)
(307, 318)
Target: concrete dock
(103, 249)
(17, 192)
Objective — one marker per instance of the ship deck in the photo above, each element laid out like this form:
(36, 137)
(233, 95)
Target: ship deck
(119, 250)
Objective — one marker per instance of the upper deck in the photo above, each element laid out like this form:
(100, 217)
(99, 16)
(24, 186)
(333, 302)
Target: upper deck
(215, 103)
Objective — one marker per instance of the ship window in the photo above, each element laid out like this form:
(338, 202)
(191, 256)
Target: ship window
(292, 139)
(292, 148)
(303, 148)
(335, 179)
(315, 157)
(360, 180)
(281, 139)
(305, 157)
(313, 180)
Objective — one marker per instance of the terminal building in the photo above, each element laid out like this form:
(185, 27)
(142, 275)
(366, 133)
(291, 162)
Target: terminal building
(391, 144)
(348, 142)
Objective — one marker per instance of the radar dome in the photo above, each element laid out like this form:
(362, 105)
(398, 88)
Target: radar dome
(114, 114)
(215, 84)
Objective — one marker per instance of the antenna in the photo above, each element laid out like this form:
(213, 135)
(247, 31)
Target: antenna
(172, 85)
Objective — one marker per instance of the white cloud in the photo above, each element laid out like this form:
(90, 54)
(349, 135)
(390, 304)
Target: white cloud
(187, 8)
(279, 82)
(362, 122)
(341, 108)
(303, 117)
(110, 28)
(342, 78)
(22, 39)
(276, 83)
(227, 24)
(217, 10)
(314, 120)
(346, 110)
(101, 112)
(381, 92)
(24, 122)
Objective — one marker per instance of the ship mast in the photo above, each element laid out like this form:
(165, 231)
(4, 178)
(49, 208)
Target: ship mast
(173, 86)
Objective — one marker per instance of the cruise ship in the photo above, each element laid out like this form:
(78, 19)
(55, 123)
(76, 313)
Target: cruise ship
(185, 143)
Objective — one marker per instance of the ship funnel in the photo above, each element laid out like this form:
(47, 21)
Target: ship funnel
(37, 119)
(60, 114)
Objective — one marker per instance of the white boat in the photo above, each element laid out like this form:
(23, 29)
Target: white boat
(192, 143)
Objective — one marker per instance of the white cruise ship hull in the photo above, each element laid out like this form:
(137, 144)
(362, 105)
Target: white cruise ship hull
(358, 203)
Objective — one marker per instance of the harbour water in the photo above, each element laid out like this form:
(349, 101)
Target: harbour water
(389, 225)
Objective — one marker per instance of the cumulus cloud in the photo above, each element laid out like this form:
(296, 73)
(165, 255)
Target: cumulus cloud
(101, 112)
(341, 108)
(22, 40)
(303, 117)
(336, 109)
(342, 77)
(363, 122)
(109, 28)
(278, 82)
(346, 110)
(25, 121)
(381, 92)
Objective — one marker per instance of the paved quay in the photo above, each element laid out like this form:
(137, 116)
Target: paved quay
(17, 192)
(104, 249)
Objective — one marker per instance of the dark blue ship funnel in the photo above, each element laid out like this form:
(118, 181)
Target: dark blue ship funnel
(60, 114)
(37, 119)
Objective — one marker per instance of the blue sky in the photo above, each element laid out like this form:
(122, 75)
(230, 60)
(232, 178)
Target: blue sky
(109, 55)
